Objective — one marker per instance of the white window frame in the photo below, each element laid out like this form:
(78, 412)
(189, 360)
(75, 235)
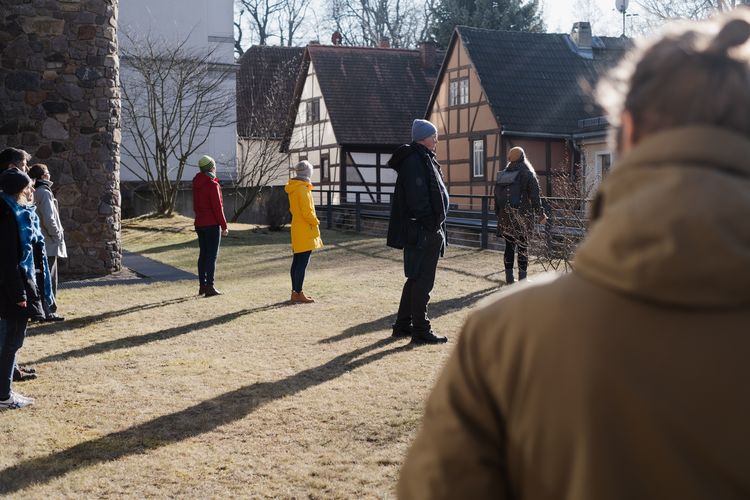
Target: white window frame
(463, 91)
(453, 93)
(477, 148)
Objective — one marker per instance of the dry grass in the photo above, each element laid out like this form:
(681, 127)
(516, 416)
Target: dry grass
(149, 390)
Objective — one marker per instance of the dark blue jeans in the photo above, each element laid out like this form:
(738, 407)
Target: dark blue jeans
(209, 238)
(12, 333)
(299, 266)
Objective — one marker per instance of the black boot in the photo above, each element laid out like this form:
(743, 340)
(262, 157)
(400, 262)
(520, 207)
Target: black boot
(428, 338)
(521, 274)
(509, 276)
(401, 331)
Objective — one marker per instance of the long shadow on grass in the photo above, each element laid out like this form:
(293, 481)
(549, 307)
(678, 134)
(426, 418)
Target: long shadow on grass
(83, 321)
(387, 254)
(193, 421)
(138, 340)
(436, 310)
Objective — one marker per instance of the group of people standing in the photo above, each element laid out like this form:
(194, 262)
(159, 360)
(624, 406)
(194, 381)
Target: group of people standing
(31, 242)
(419, 209)
(211, 225)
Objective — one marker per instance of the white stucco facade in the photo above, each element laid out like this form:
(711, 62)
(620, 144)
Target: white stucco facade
(205, 25)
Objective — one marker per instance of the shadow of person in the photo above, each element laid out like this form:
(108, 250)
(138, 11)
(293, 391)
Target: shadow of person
(193, 421)
(83, 321)
(436, 310)
(168, 333)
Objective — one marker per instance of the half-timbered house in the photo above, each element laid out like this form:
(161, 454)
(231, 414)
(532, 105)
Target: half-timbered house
(500, 89)
(353, 106)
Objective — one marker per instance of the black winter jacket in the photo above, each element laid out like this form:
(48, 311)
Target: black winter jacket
(417, 204)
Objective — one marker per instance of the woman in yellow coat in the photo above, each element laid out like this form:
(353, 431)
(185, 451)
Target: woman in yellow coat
(305, 227)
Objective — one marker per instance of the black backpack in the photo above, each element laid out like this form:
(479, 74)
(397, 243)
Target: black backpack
(503, 182)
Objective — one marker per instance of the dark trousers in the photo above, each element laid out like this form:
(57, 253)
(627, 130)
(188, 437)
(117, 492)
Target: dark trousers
(412, 310)
(209, 238)
(299, 266)
(12, 333)
(521, 243)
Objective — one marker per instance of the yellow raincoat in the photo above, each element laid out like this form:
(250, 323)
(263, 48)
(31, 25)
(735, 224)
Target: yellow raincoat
(305, 224)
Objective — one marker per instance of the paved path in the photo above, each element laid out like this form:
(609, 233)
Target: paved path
(136, 269)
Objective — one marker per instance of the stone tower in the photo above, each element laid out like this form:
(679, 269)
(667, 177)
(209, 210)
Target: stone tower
(60, 101)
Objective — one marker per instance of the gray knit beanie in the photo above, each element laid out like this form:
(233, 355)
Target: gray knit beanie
(422, 129)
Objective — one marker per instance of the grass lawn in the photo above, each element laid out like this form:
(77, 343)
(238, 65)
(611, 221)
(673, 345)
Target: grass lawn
(150, 390)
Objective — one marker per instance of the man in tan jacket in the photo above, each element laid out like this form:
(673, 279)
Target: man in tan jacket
(627, 378)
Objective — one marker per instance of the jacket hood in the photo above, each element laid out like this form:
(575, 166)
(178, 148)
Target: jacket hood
(403, 152)
(296, 184)
(669, 222)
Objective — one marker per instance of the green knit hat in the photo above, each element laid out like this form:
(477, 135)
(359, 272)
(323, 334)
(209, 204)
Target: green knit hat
(206, 163)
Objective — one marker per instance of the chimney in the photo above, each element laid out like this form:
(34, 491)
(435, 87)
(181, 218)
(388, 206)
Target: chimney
(581, 34)
(385, 43)
(428, 54)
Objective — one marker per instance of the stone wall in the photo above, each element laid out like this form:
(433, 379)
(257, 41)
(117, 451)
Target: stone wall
(60, 101)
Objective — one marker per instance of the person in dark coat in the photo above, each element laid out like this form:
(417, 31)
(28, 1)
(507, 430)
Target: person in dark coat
(417, 225)
(18, 159)
(516, 216)
(24, 276)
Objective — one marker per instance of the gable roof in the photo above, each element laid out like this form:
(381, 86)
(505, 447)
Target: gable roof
(265, 89)
(533, 80)
(372, 94)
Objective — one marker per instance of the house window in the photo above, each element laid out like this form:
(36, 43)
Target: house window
(458, 92)
(313, 111)
(478, 157)
(463, 91)
(453, 93)
(603, 163)
(325, 167)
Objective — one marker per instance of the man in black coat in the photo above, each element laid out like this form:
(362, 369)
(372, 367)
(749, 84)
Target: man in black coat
(417, 225)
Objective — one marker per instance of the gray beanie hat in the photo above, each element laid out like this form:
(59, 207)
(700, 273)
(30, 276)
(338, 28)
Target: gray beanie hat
(421, 129)
(303, 170)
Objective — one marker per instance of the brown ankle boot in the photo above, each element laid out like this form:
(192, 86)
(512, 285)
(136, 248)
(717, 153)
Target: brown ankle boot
(211, 291)
(300, 298)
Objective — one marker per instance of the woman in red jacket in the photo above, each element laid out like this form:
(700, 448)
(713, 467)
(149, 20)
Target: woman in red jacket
(210, 223)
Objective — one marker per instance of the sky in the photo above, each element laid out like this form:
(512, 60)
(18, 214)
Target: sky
(559, 16)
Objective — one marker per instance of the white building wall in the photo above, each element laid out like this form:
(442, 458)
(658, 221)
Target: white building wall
(205, 24)
(319, 135)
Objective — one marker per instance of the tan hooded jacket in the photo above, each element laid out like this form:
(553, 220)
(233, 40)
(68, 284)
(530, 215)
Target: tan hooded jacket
(628, 378)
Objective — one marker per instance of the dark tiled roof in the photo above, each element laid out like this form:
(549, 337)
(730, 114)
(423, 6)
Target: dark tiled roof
(533, 80)
(265, 89)
(372, 94)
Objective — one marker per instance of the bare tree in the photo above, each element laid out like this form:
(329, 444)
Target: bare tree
(687, 9)
(261, 15)
(173, 97)
(291, 17)
(265, 90)
(368, 22)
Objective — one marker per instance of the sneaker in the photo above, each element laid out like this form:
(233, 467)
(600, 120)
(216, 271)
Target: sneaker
(15, 401)
(54, 317)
